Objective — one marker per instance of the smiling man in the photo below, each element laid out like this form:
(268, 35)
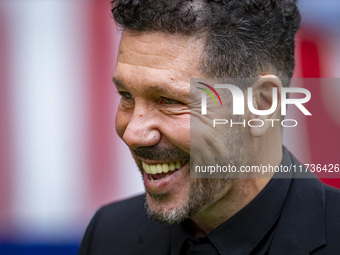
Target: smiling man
(164, 44)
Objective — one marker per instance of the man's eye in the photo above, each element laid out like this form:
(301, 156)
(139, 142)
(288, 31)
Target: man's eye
(165, 100)
(126, 95)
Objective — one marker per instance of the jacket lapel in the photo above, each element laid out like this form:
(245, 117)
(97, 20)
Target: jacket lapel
(283, 245)
(150, 248)
(154, 238)
(301, 228)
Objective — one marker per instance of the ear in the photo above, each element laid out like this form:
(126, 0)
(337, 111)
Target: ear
(265, 101)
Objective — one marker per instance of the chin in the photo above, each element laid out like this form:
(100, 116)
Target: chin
(161, 208)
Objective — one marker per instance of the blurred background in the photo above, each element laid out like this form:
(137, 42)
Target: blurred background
(60, 158)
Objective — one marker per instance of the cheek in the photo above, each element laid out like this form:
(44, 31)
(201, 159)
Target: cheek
(185, 132)
(177, 130)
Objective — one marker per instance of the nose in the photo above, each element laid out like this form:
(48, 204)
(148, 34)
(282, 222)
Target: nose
(142, 128)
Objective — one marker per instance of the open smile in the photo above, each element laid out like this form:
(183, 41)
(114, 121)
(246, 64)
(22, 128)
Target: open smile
(157, 172)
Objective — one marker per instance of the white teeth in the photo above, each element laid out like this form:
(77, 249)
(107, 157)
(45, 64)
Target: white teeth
(165, 168)
(146, 167)
(153, 169)
(161, 168)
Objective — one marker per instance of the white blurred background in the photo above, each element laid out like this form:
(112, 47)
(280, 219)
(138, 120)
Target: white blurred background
(60, 158)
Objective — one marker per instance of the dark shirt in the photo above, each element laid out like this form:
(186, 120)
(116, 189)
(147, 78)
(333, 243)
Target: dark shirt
(250, 231)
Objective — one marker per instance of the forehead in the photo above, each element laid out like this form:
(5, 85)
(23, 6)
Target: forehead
(159, 51)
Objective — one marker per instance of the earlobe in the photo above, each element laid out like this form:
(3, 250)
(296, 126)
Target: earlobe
(261, 127)
(265, 95)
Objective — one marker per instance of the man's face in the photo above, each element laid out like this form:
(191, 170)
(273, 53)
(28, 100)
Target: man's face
(153, 77)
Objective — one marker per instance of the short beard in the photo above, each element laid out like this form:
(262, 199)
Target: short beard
(202, 193)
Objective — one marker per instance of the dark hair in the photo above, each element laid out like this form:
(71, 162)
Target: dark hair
(243, 38)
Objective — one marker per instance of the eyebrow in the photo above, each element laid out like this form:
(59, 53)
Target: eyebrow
(118, 83)
(154, 88)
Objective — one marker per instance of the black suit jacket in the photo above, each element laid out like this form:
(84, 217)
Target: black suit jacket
(309, 224)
